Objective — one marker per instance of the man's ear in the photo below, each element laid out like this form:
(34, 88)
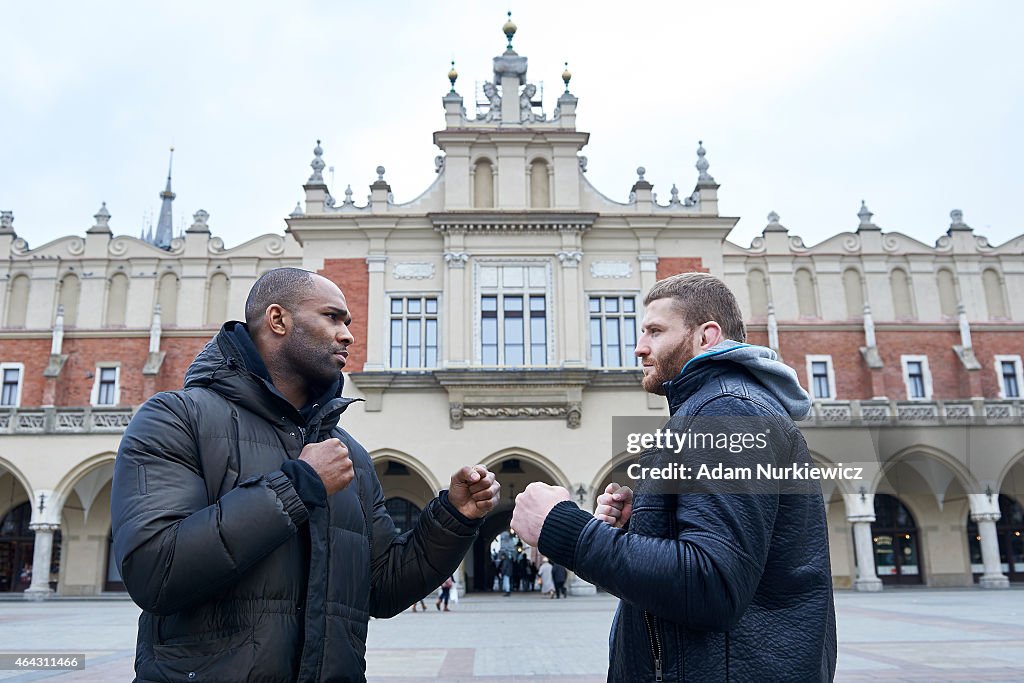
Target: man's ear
(711, 334)
(277, 319)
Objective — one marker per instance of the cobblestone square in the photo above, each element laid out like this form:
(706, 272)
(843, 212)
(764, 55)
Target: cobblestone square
(897, 635)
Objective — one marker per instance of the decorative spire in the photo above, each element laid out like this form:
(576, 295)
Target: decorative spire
(348, 196)
(297, 212)
(317, 177)
(703, 176)
(566, 76)
(640, 171)
(165, 224)
(675, 195)
(864, 215)
(453, 76)
(102, 221)
(509, 29)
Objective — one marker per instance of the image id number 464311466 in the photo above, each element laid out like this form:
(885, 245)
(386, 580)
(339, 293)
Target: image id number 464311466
(25, 661)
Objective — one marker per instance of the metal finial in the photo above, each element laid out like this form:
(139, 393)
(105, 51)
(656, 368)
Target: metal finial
(640, 170)
(509, 29)
(380, 173)
(566, 76)
(773, 218)
(453, 75)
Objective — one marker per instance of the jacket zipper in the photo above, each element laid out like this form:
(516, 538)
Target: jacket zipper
(652, 634)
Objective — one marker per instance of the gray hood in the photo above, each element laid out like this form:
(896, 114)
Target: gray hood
(765, 366)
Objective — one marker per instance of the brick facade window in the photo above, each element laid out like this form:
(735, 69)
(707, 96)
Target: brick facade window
(917, 377)
(10, 392)
(106, 390)
(1008, 373)
(821, 378)
(612, 331)
(413, 332)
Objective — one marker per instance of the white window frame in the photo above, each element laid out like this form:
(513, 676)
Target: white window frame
(829, 369)
(549, 302)
(95, 395)
(406, 295)
(925, 371)
(1016, 360)
(638, 315)
(20, 367)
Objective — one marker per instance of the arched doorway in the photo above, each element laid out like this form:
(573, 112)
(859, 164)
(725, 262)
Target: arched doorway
(1010, 534)
(17, 548)
(404, 513)
(515, 471)
(896, 542)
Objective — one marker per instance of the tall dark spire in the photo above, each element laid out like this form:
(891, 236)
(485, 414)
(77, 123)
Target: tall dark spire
(164, 227)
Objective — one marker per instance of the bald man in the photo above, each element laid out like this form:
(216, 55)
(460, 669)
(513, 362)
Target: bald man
(250, 527)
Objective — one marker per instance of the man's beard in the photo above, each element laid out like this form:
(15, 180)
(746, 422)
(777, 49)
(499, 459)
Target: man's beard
(665, 370)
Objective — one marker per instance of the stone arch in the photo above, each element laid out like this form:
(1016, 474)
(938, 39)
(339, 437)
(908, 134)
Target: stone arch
(1004, 475)
(853, 291)
(757, 288)
(117, 299)
(66, 485)
(946, 282)
(995, 294)
(966, 479)
(68, 295)
(217, 299)
(902, 294)
(17, 300)
(532, 457)
(540, 183)
(806, 293)
(420, 493)
(483, 183)
(17, 477)
(167, 297)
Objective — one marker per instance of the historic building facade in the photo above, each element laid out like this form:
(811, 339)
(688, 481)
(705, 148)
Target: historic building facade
(495, 318)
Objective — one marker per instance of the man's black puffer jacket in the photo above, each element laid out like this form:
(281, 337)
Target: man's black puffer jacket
(238, 579)
(715, 586)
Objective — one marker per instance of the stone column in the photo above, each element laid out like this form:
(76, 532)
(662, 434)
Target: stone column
(864, 551)
(41, 559)
(377, 311)
(458, 325)
(993, 576)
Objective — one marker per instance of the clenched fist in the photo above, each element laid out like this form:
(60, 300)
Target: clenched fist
(615, 505)
(473, 491)
(330, 460)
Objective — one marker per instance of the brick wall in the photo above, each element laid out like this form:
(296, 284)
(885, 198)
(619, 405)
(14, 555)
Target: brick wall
(668, 266)
(352, 276)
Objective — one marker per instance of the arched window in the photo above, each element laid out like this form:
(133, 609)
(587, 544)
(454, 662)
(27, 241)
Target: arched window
(70, 289)
(403, 513)
(806, 301)
(895, 538)
(994, 299)
(854, 293)
(540, 185)
(17, 301)
(947, 293)
(758, 290)
(483, 185)
(902, 304)
(1010, 534)
(168, 299)
(217, 300)
(117, 300)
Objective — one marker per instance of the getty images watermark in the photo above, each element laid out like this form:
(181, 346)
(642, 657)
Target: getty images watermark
(735, 454)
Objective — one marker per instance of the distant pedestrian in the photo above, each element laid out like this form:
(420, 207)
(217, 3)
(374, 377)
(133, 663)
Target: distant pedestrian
(558, 575)
(506, 574)
(547, 582)
(421, 604)
(446, 589)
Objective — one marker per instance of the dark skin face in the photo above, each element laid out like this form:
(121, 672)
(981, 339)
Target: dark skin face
(306, 348)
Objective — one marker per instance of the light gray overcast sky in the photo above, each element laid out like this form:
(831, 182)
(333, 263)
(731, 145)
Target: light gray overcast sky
(805, 108)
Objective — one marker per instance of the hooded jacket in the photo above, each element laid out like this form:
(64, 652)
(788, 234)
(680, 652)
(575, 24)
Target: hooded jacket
(238, 578)
(716, 586)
